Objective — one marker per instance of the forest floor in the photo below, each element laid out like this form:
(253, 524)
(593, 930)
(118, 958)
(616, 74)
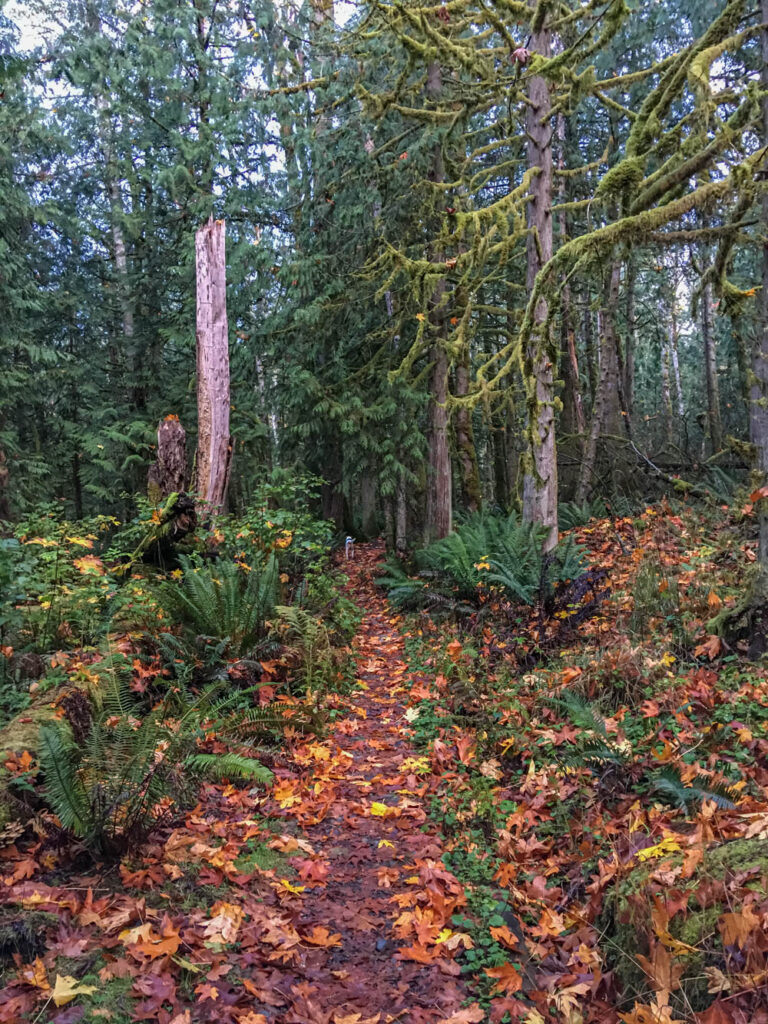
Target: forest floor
(538, 817)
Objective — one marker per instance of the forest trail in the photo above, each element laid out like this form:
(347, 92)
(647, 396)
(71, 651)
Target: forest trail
(375, 885)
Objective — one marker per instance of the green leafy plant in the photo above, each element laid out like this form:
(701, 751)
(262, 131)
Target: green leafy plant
(484, 551)
(225, 602)
(113, 772)
(308, 639)
(669, 784)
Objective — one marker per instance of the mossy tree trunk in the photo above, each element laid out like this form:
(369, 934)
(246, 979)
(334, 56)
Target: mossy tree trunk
(606, 408)
(465, 438)
(5, 507)
(714, 420)
(439, 504)
(540, 480)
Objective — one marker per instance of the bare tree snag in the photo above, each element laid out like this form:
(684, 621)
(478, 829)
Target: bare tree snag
(214, 449)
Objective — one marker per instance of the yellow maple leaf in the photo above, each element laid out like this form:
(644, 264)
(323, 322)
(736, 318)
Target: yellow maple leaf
(661, 849)
(68, 988)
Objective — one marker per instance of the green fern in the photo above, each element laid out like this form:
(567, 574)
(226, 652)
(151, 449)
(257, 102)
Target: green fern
(225, 603)
(59, 756)
(447, 574)
(309, 640)
(669, 783)
(109, 789)
(229, 766)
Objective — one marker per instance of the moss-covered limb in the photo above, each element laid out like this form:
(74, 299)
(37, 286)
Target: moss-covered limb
(708, 234)
(614, 105)
(290, 90)
(572, 172)
(623, 81)
(701, 65)
(612, 18)
(658, 102)
(733, 298)
(694, 165)
(634, 228)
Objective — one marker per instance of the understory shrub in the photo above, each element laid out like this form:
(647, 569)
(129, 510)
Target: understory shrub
(486, 552)
(114, 771)
(225, 604)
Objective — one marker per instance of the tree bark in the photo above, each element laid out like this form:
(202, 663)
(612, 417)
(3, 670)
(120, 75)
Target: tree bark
(438, 516)
(540, 480)
(606, 412)
(369, 524)
(439, 504)
(401, 519)
(629, 348)
(573, 406)
(666, 390)
(589, 348)
(214, 448)
(465, 439)
(5, 507)
(714, 421)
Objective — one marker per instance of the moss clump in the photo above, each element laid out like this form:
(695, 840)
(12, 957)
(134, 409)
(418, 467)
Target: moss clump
(621, 179)
(628, 925)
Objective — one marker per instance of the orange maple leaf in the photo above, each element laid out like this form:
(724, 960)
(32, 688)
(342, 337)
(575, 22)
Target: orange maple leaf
(507, 979)
(320, 936)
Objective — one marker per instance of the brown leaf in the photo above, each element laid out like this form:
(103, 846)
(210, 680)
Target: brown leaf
(736, 928)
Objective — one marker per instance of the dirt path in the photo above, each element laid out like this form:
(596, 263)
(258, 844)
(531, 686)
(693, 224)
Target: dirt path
(384, 893)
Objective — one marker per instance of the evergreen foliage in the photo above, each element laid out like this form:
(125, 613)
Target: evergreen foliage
(114, 771)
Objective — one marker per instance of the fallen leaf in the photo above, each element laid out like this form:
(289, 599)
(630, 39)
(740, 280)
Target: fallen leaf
(68, 988)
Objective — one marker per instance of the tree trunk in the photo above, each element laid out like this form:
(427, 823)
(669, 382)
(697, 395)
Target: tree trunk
(214, 449)
(608, 357)
(389, 522)
(758, 424)
(401, 519)
(629, 348)
(439, 503)
(589, 348)
(540, 480)
(573, 408)
(666, 390)
(606, 412)
(438, 516)
(5, 508)
(714, 422)
(369, 524)
(465, 439)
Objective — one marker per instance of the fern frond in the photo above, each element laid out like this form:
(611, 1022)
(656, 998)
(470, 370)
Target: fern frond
(669, 783)
(58, 755)
(229, 766)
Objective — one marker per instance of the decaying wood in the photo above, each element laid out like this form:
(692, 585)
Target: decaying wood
(169, 472)
(213, 440)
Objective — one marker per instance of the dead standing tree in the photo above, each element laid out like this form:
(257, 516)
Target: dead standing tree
(214, 450)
